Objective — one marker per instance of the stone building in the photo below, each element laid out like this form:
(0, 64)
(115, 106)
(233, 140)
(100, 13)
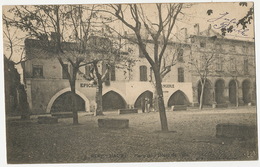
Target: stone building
(231, 77)
(48, 88)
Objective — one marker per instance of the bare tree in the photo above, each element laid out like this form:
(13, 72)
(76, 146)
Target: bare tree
(136, 18)
(202, 64)
(70, 27)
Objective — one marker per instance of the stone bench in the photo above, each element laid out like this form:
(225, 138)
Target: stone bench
(236, 131)
(47, 120)
(128, 111)
(113, 123)
(62, 114)
(179, 108)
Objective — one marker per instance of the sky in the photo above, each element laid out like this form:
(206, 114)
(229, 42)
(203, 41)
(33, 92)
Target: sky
(223, 14)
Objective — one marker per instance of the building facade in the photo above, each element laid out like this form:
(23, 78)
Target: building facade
(232, 75)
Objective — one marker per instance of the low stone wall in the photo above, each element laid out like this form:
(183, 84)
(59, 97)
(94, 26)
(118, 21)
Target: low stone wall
(113, 123)
(47, 120)
(222, 105)
(179, 108)
(62, 114)
(128, 111)
(236, 131)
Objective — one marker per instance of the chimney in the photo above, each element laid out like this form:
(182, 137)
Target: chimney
(197, 29)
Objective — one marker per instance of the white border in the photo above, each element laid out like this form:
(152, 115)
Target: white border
(169, 164)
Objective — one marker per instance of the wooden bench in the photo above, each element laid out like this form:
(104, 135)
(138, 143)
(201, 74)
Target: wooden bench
(47, 120)
(113, 123)
(128, 111)
(229, 130)
(62, 114)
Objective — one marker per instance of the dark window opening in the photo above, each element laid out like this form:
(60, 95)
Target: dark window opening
(143, 73)
(180, 55)
(112, 73)
(37, 71)
(180, 75)
(202, 44)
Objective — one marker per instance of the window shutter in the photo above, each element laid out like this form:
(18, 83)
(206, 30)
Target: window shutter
(143, 73)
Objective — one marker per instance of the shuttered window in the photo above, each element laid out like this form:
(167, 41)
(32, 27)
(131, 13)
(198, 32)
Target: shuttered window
(143, 73)
(180, 75)
(112, 73)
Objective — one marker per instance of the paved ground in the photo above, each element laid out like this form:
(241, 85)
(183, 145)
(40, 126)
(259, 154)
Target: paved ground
(191, 138)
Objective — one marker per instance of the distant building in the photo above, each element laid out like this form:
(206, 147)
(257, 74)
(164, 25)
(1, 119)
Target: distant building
(48, 88)
(232, 73)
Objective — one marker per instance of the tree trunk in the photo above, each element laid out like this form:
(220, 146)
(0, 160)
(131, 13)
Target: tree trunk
(155, 101)
(99, 109)
(73, 102)
(161, 106)
(202, 95)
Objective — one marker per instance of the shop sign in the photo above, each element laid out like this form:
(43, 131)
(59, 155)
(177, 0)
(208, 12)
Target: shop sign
(87, 85)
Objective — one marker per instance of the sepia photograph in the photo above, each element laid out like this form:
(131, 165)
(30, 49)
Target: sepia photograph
(129, 82)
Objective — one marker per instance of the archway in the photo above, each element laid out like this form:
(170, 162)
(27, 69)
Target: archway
(219, 91)
(113, 101)
(146, 94)
(178, 98)
(56, 95)
(64, 103)
(246, 91)
(207, 96)
(232, 92)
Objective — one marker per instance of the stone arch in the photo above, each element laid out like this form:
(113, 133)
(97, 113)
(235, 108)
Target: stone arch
(178, 98)
(219, 91)
(207, 95)
(114, 90)
(246, 91)
(232, 91)
(87, 104)
(145, 94)
(113, 101)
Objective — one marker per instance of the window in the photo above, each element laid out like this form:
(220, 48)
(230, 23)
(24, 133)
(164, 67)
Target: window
(37, 71)
(245, 49)
(107, 77)
(87, 70)
(232, 64)
(202, 44)
(232, 48)
(202, 62)
(219, 63)
(246, 66)
(143, 73)
(180, 75)
(140, 51)
(112, 73)
(64, 69)
(180, 55)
